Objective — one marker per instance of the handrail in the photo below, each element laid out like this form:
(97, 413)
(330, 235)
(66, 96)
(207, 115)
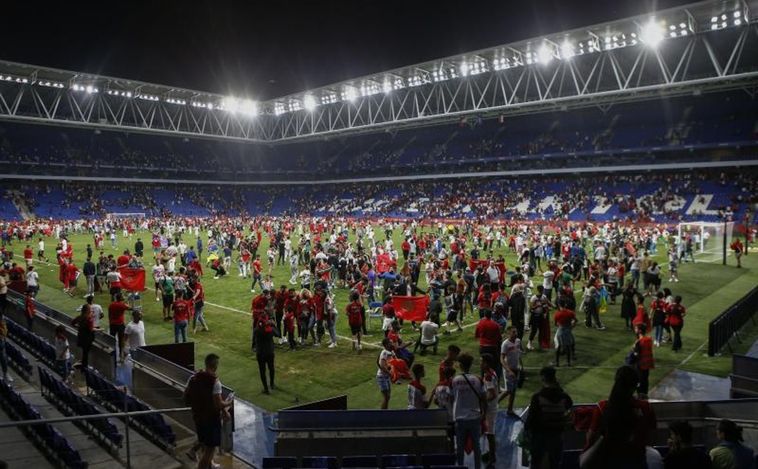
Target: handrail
(17, 423)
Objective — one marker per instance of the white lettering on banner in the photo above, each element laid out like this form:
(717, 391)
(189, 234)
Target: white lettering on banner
(522, 207)
(699, 206)
(676, 204)
(600, 208)
(549, 202)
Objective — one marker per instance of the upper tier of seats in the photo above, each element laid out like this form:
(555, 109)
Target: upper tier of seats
(689, 128)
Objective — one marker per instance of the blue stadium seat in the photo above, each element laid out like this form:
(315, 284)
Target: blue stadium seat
(279, 463)
(398, 460)
(318, 462)
(359, 461)
(437, 460)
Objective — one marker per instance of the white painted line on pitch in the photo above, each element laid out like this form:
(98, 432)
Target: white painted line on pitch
(228, 308)
(689, 357)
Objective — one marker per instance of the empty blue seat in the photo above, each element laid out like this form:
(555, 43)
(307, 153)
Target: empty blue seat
(437, 460)
(359, 461)
(279, 462)
(319, 462)
(398, 460)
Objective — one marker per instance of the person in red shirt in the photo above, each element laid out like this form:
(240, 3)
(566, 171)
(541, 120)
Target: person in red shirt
(643, 353)
(72, 273)
(484, 300)
(182, 314)
(449, 361)
(198, 300)
(257, 269)
(29, 310)
(738, 249)
(676, 321)
(642, 316)
(28, 256)
(490, 337)
(355, 312)
(289, 328)
(564, 320)
(117, 322)
(123, 259)
(406, 248)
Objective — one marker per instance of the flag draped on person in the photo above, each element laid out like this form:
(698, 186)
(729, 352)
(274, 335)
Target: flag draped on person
(411, 308)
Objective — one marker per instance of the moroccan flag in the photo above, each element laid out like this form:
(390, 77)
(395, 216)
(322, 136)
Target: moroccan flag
(132, 279)
(410, 308)
(485, 263)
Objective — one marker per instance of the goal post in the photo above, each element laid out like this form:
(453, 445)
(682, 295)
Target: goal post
(710, 240)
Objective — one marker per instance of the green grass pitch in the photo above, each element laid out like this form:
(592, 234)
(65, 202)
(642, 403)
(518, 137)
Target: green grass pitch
(315, 373)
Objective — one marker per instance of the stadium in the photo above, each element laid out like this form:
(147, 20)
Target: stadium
(582, 200)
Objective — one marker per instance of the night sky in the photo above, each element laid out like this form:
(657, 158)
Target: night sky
(264, 49)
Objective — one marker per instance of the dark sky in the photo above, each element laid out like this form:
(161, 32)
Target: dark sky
(264, 49)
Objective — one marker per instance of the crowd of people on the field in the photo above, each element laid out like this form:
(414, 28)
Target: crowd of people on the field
(461, 277)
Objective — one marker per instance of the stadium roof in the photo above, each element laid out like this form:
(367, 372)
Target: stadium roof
(694, 48)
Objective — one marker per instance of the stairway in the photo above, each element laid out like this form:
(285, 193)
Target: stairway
(19, 201)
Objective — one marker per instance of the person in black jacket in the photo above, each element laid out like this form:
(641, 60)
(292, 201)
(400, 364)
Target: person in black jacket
(139, 247)
(264, 333)
(547, 419)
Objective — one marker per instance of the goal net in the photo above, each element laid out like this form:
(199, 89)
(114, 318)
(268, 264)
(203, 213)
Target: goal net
(708, 239)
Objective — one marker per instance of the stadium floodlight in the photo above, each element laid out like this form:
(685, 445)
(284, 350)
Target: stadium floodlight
(652, 34)
(567, 49)
(49, 84)
(544, 54)
(349, 93)
(279, 109)
(328, 97)
(387, 87)
(463, 69)
(309, 102)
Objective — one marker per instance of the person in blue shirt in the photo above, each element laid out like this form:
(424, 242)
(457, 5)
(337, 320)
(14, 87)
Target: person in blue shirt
(199, 247)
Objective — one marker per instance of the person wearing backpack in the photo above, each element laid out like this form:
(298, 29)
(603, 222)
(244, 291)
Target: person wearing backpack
(203, 394)
(468, 402)
(549, 415)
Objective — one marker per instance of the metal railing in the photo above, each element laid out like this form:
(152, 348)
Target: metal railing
(728, 324)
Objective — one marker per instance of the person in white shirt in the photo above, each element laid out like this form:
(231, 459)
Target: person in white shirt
(468, 397)
(32, 281)
(428, 337)
(135, 332)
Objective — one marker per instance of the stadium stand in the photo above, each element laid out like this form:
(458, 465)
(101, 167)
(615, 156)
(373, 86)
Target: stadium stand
(71, 403)
(36, 345)
(663, 197)
(47, 438)
(18, 361)
(152, 426)
(682, 129)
